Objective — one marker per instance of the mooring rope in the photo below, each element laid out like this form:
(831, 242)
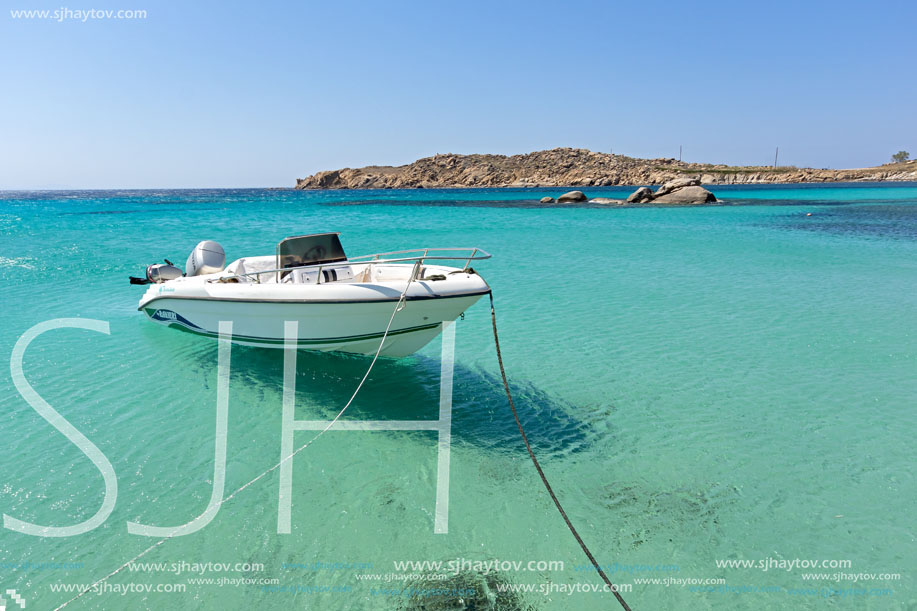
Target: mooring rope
(399, 305)
(544, 480)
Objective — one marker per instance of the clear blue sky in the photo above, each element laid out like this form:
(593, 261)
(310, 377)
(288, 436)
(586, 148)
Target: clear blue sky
(211, 94)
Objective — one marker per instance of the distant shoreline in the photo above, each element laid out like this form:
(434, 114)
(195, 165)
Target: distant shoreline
(449, 188)
(581, 168)
(580, 187)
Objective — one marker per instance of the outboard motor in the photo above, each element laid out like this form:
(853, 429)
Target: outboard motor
(157, 273)
(162, 273)
(207, 257)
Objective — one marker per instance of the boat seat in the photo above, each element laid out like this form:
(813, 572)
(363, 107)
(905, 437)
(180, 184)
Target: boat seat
(249, 265)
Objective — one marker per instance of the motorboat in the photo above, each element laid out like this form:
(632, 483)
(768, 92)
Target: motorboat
(339, 303)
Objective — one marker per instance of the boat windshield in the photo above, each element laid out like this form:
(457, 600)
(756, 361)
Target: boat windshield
(310, 250)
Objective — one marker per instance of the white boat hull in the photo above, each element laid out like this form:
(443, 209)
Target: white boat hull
(349, 317)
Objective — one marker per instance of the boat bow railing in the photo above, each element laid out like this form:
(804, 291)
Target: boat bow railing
(396, 256)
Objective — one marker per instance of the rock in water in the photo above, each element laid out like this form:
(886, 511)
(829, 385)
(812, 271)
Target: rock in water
(694, 194)
(674, 185)
(547, 200)
(643, 194)
(678, 191)
(572, 196)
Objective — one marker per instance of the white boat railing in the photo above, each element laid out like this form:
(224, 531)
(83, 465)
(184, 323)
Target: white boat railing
(469, 255)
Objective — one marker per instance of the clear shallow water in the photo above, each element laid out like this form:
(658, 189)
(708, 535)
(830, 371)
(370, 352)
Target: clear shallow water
(729, 382)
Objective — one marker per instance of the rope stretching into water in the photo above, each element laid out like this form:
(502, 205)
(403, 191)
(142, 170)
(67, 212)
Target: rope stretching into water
(544, 480)
(398, 307)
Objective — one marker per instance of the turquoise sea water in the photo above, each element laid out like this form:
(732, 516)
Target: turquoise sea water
(733, 382)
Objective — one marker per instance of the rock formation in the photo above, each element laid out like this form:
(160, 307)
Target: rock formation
(643, 194)
(686, 195)
(572, 197)
(577, 168)
(678, 191)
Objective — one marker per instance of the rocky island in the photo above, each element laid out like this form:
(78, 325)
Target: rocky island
(583, 168)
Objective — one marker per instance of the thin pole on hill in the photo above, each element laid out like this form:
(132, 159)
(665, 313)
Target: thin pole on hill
(679, 152)
(775, 157)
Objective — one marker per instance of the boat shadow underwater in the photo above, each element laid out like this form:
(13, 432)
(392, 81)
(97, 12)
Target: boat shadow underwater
(409, 389)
